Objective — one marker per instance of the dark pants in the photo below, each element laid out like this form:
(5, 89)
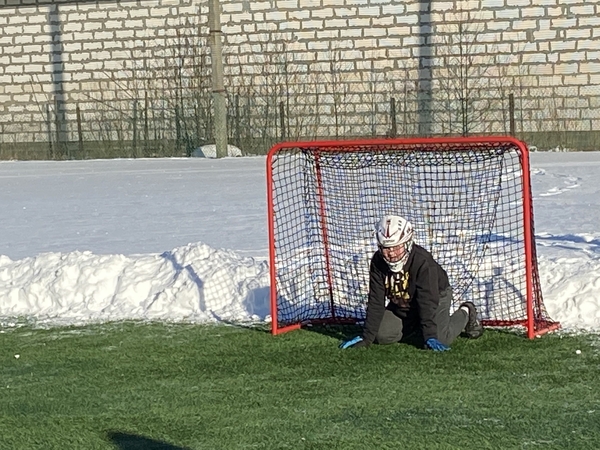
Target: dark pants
(394, 329)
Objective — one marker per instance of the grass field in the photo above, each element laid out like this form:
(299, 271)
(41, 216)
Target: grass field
(132, 386)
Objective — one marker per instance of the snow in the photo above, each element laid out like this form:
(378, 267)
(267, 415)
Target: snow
(186, 240)
(210, 151)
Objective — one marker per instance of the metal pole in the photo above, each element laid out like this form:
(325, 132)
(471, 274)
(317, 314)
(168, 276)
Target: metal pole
(49, 124)
(79, 132)
(220, 108)
(282, 120)
(511, 114)
(394, 130)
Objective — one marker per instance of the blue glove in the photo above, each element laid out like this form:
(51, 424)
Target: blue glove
(436, 345)
(355, 342)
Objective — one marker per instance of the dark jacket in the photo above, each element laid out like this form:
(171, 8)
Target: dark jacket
(413, 295)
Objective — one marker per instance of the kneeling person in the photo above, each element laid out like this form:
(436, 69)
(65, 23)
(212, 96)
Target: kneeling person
(409, 292)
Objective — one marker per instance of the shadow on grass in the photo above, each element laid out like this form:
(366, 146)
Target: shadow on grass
(412, 338)
(340, 332)
(128, 441)
(335, 331)
(343, 332)
(258, 327)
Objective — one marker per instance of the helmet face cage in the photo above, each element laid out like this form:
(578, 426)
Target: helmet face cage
(391, 232)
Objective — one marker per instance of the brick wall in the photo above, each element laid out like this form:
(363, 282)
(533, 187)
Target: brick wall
(328, 67)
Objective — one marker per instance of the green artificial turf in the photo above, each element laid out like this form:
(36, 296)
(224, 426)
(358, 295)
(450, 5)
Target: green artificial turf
(129, 386)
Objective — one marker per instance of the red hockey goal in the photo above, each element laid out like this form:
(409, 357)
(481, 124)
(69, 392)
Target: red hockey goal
(469, 200)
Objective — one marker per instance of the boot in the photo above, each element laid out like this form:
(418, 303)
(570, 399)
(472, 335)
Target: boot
(473, 329)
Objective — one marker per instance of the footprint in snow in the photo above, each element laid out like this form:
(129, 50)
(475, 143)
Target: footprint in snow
(570, 182)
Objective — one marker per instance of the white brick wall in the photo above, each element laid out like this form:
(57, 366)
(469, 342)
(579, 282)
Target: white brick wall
(84, 53)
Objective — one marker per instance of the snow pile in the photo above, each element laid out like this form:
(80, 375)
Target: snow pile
(194, 283)
(571, 291)
(210, 151)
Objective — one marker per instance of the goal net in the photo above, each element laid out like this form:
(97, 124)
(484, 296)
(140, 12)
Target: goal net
(469, 200)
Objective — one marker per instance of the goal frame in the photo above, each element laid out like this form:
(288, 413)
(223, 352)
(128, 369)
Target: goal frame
(532, 276)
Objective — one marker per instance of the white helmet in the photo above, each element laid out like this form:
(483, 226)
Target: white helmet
(394, 230)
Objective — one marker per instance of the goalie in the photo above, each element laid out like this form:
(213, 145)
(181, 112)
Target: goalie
(410, 295)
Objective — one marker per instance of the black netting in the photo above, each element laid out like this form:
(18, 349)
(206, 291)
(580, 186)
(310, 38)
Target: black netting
(464, 200)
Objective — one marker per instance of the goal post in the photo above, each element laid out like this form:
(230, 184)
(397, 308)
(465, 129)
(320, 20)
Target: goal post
(470, 203)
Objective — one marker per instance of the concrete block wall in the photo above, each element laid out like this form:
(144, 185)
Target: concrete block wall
(335, 61)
